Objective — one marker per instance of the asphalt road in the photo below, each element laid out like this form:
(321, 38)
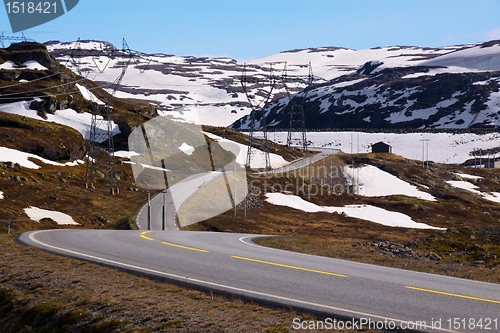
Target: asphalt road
(303, 162)
(232, 264)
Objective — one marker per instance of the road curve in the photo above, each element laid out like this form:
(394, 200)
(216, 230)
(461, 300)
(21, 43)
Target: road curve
(231, 263)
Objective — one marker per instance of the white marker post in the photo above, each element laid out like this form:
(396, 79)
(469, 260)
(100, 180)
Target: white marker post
(149, 210)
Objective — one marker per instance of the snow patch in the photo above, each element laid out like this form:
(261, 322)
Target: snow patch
(1, 195)
(187, 149)
(32, 64)
(88, 95)
(22, 158)
(464, 185)
(467, 176)
(8, 65)
(68, 117)
(364, 212)
(374, 182)
(125, 154)
(473, 58)
(37, 214)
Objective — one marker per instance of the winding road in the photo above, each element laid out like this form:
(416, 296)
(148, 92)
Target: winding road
(232, 264)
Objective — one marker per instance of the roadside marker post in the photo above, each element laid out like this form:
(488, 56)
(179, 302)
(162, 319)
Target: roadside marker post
(8, 224)
(163, 213)
(149, 210)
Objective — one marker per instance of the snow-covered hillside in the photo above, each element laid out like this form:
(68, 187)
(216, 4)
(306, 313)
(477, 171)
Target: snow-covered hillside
(448, 87)
(69, 117)
(208, 90)
(451, 148)
(458, 89)
(363, 212)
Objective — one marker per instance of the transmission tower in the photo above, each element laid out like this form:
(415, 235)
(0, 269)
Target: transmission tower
(101, 127)
(258, 111)
(15, 39)
(296, 104)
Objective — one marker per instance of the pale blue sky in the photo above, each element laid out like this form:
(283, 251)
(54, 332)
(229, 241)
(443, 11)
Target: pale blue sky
(245, 29)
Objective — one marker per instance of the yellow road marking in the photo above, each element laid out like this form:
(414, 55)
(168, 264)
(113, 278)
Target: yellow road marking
(454, 295)
(143, 235)
(184, 247)
(289, 266)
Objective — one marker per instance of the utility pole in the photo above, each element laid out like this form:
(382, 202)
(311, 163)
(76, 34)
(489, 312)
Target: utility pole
(246, 194)
(101, 104)
(259, 109)
(297, 106)
(234, 176)
(425, 152)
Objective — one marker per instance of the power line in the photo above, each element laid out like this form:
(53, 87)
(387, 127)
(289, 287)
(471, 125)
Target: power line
(35, 80)
(258, 108)
(97, 120)
(297, 110)
(10, 39)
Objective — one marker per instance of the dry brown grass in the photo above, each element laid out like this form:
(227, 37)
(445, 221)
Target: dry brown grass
(42, 292)
(62, 189)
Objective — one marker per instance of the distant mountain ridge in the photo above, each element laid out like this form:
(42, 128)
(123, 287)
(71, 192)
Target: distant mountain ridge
(384, 87)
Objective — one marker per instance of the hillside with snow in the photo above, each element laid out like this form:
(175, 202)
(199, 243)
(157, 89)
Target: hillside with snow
(390, 87)
(459, 88)
(449, 148)
(398, 86)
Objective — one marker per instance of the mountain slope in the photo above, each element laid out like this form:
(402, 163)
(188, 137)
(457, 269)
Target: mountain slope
(44, 131)
(34, 84)
(459, 89)
(209, 90)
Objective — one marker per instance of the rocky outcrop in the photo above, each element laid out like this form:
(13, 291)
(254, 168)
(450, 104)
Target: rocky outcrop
(60, 153)
(394, 98)
(20, 53)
